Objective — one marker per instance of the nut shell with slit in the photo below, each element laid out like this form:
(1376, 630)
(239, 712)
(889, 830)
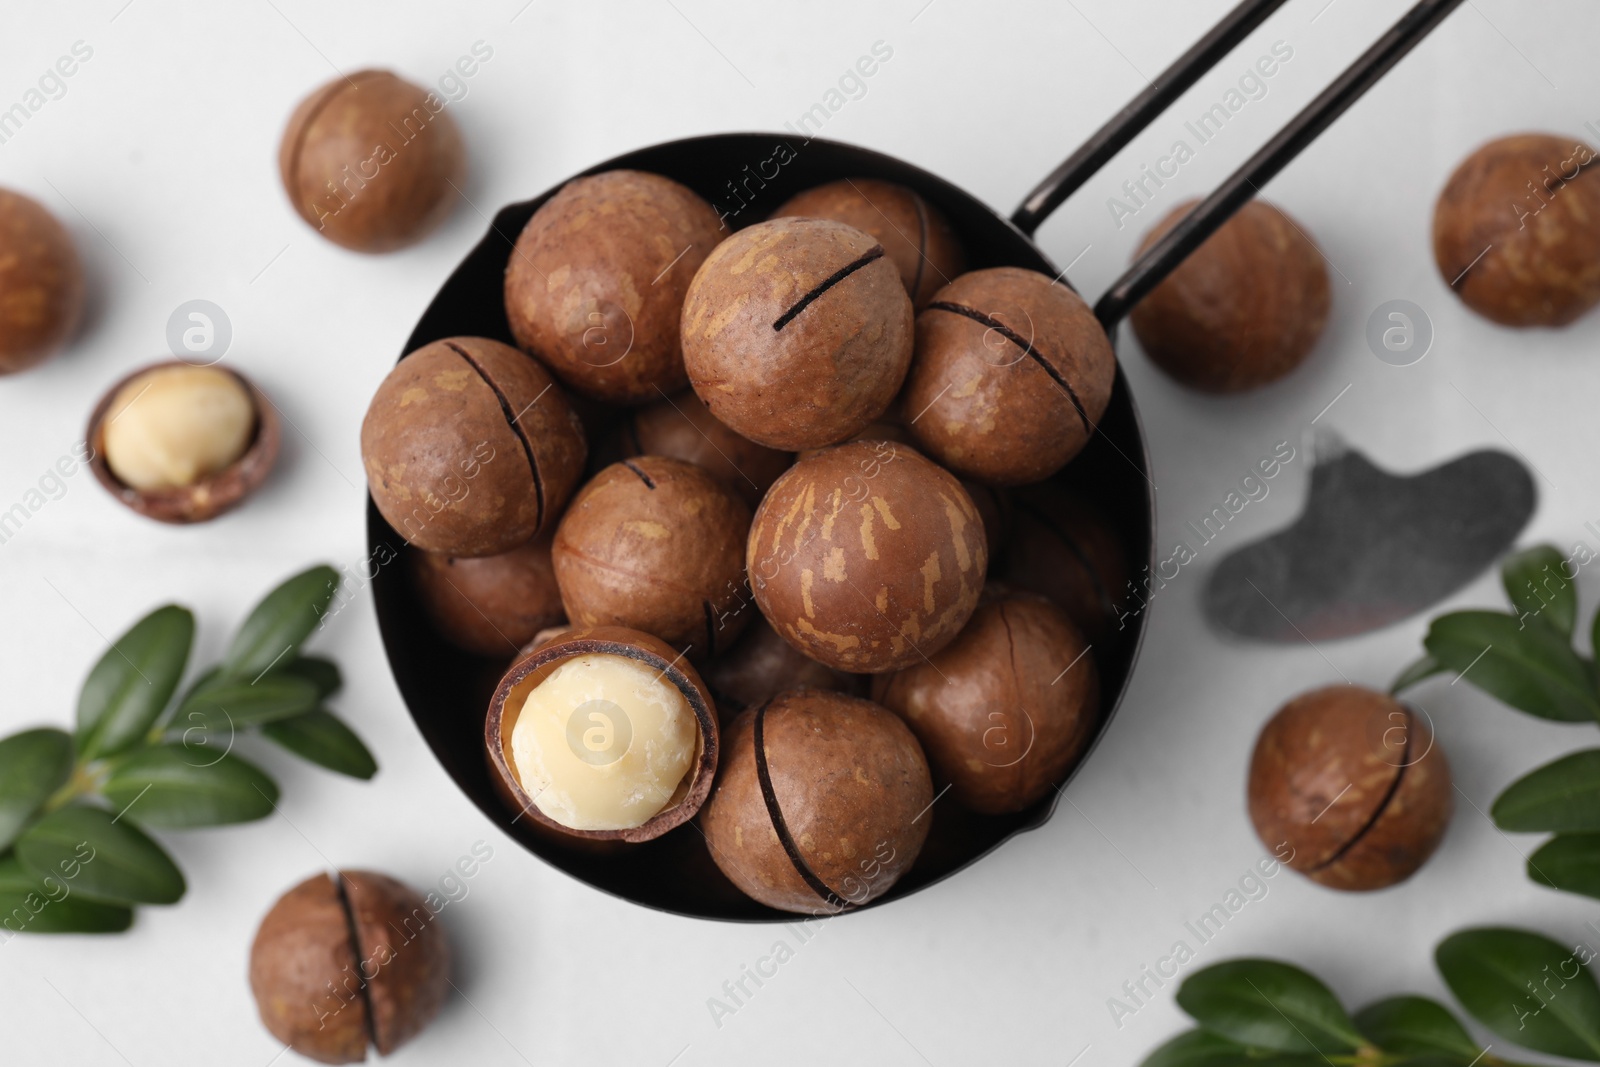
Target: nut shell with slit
(867, 557)
(656, 544)
(822, 802)
(1012, 375)
(1006, 710)
(470, 448)
(682, 427)
(595, 284)
(1516, 231)
(335, 965)
(1353, 784)
(915, 235)
(797, 333)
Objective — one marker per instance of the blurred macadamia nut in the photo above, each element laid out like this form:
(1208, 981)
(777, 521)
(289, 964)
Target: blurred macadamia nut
(596, 282)
(867, 557)
(1012, 375)
(490, 605)
(1244, 309)
(915, 235)
(470, 448)
(372, 161)
(1349, 787)
(1007, 709)
(1065, 548)
(797, 332)
(1516, 231)
(176, 424)
(682, 427)
(41, 284)
(656, 544)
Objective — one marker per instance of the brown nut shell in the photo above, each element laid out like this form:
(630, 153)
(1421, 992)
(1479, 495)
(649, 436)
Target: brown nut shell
(682, 427)
(596, 283)
(1354, 784)
(303, 973)
(1064, 547)
(1006, 710)
(210, 496)
(762, 665)
(1246, 308)
(656, 544)
(41, 283)
(470, 448)
(371, 161)
(914, 234)
(490, 605)
(822, 803)
(404, 954)
(531, 669)
(867, 557)
(1516, 231)
(1012, 375)
(797, 332)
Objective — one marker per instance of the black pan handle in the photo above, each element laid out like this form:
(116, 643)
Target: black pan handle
(1163, 257)
(1141, 111)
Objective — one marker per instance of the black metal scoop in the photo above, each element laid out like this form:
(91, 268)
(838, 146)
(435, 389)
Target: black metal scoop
(448, 691)
(1371, 547)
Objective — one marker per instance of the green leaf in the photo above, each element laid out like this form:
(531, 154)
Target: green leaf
(1560, 797)
(1532, 668)
(1540, 590)
(1416, 1026)
(1199, 1048)
(1422, 669)
(174, 787)
(1568, 862)
(30, 905)
(1526, 988)
(1269, 1005)
(33, 765)
(322, 673)
(216, 713)
(322, 738)
(129, 688)
(277, 625)
(105, 858)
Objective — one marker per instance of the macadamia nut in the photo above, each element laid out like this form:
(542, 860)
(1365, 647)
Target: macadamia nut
(175, 425)
(603, 743)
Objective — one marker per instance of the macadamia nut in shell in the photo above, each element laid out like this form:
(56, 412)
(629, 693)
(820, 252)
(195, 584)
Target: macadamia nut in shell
(41, 283)
(173, 425)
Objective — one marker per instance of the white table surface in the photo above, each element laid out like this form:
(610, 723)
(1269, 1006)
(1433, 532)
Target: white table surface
(161, 157)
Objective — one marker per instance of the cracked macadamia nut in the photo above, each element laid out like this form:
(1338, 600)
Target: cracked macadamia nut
(823, 801)
(914, 234)
(1006, 710)
(603, 733)
(174, 425)
(1012, 375)
(336, 965)
(1353, 784)
(797, 332)
(470, 448)
(41, 284)
(867, 557)
(490, 605)
(1244, 309)
(683, 428)
(656, 544)
(596, 283)
(372, 161)
(1516, 232)
(602, 742)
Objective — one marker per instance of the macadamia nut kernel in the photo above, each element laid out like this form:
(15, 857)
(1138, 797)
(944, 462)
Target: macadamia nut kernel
(175, 425)
(603, 742)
